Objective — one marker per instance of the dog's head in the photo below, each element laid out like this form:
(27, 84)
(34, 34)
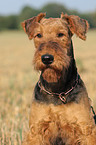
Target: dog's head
(52, 38)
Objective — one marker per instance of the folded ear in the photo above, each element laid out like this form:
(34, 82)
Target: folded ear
(76, 25)
(30, 24)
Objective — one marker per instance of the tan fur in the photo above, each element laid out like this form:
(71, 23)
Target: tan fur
(61, 60)
(73, 122)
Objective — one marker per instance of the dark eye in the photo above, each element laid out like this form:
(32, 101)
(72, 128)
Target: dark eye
(39, 35)
(60, 35)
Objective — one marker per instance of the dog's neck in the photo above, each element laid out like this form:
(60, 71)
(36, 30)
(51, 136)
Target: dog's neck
(67, 79)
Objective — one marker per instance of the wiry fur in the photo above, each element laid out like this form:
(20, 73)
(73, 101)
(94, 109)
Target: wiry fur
(61, 59)
(51, 121)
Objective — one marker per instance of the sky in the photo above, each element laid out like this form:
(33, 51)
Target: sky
(8, 7)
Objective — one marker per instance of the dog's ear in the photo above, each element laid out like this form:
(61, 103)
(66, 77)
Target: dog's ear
(76, 25)
(30, 24)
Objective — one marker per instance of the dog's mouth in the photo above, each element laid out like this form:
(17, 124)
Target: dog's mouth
(51, 67)
(51, 64)
(51, 75)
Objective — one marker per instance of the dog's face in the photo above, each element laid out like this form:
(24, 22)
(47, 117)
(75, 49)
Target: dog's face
(52, 38)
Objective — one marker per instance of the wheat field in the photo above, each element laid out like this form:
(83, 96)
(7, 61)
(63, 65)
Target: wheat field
(18, 78)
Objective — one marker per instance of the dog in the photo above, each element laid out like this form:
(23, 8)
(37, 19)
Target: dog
(61, 109)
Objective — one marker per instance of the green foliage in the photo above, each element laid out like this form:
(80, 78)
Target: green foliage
(52, 10)
(28, 12)
(9, 22)
(12, 22)
(2, 22)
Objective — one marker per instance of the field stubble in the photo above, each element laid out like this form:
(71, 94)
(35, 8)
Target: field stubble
(18, 78)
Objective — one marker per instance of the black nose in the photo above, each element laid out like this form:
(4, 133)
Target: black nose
(47, 59)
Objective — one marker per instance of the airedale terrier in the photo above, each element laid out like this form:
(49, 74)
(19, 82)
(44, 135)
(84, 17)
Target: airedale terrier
(61, 110)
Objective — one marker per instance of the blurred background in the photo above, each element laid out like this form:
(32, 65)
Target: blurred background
(17, 75)
(13, 12)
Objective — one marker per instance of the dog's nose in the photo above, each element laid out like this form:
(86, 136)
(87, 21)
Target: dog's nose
(47, 59)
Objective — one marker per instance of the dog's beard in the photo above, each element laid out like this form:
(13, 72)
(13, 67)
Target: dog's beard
(51, 75)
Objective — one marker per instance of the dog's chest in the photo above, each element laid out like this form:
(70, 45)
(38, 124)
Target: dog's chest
(65, 113)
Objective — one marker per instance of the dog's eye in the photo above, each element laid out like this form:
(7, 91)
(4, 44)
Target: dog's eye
(60, 35)
(38, 35)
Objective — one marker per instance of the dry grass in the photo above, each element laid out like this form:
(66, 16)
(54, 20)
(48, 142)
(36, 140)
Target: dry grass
(17, 80)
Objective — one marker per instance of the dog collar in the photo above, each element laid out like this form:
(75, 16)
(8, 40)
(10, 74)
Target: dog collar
(63, 95)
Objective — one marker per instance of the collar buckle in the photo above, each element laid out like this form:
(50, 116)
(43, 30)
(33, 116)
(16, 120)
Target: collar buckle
(63, 95)
(62, 98)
